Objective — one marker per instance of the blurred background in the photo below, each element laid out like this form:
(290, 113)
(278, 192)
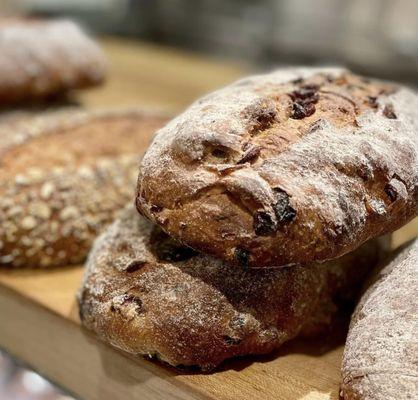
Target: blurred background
(19, 383)
(373, 37)
(376, 37)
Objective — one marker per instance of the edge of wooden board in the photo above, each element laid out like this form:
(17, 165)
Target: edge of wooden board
(73, 358)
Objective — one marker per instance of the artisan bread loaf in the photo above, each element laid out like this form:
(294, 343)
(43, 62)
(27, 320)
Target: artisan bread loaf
(296, 166)
(63, 176)
(41, 59)
(381, 355)
(148, 295)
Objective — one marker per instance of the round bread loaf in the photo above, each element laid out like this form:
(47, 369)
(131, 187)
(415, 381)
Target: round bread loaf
(40, 59)
(296, 166)
(63, 176)
(381, 355)
(146, 294)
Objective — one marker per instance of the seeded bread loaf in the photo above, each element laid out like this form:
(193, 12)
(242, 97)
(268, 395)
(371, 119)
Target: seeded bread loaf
(381, 356)
(147, 295)
(296, 166)
(62, 178)
(40, 59)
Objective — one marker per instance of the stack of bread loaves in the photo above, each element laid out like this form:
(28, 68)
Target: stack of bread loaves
(260, 210)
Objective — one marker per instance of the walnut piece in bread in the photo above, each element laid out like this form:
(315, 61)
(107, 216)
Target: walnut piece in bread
(40, 59)
(380, 360)
(296, 166)
(63, 177)
(148, 295)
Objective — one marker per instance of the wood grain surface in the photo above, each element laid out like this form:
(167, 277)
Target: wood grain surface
(38, 315)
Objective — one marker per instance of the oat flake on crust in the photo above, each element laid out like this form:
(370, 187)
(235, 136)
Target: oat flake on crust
(54, 201)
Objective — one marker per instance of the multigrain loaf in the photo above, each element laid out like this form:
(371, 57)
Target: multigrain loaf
(40, 59)
(296, 166)
(146, 294)
(63, 176)
(381, 355)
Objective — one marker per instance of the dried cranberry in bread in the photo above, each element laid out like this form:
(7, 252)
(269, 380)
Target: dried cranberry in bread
(40, 59)
(381, 355)
(296, 166)
(63, 176)
(146, 294)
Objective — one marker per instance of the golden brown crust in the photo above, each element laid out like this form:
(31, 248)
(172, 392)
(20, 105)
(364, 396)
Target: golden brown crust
(144, 293)
(40, 59)
(296, 166)
(380, 360)
(63, 177)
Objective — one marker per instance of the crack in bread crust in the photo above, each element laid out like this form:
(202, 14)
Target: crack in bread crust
(349, 168)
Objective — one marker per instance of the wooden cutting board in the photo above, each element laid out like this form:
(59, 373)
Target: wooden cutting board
(38, 314)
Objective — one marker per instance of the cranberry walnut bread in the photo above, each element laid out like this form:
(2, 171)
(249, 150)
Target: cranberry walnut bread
(296, 166)
(40, 59)
(146, 294)
(63, 176)
(381, 356)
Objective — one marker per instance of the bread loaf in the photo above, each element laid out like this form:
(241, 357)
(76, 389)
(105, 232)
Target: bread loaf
(381, 355)
(62, 178)
(147, 295)
(40, 59)
(296, 166)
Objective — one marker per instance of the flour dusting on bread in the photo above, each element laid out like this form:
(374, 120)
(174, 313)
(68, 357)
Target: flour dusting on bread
(296, 166)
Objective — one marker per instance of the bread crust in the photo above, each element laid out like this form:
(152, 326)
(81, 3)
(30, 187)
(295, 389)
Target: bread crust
(380, 360)
(146, 294)
(63, 177)
(40, 59)
(296, 166)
